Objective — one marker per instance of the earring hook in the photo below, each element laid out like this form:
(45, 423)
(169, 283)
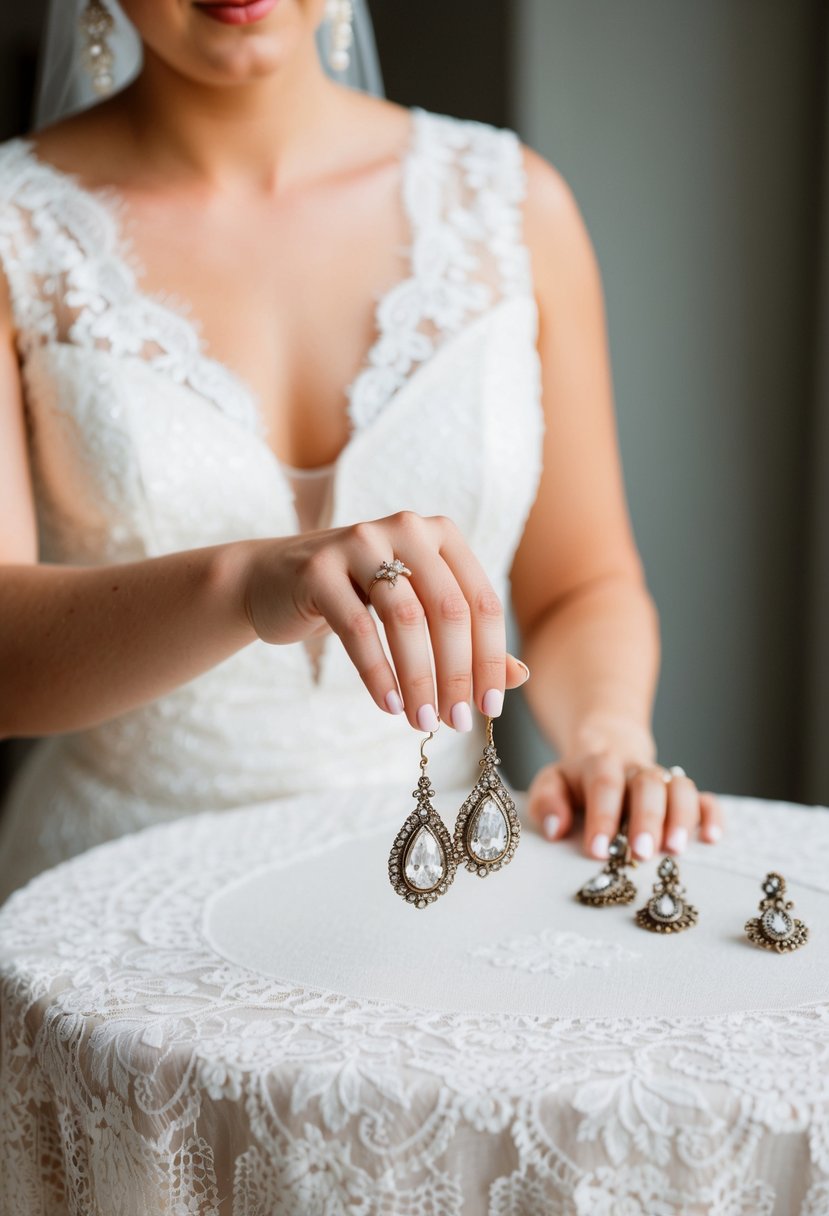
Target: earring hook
(424, 759)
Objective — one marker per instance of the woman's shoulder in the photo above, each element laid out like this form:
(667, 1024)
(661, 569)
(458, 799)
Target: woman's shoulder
(553, 228)
(547, 193)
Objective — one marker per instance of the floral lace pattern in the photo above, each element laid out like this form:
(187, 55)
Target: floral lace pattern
(463, 186)
(557, 953)
(142, 1072)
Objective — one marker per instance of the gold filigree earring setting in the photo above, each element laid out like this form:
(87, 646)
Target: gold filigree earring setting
(611, 885)
(667, 910)
(775, 928)
(422, 862)
(487, 830)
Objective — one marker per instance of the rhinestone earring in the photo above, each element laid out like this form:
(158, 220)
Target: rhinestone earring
(775, 928)
(422, 860)
(339, 14)
(667, 911)
(97, 24)
(611, 885)
(487, 830)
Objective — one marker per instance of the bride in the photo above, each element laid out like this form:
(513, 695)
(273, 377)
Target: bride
(260, 332)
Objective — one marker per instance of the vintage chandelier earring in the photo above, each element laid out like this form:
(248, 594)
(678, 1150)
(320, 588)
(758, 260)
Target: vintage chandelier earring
(422, 862)
(97, 24)
(611, 885)
(339, 14)
(775, 928)
(667, 911)
(487, 830)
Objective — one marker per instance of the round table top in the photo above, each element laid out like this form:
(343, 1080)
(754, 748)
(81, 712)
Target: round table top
(258, 964)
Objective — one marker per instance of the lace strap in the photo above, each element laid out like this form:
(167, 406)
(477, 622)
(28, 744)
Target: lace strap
(31, 312)
(463, 185)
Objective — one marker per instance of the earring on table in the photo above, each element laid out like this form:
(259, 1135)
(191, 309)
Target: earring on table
(487, 830)
(611, 885)
(422, 860)
(97, 24)
(339, 14)
(775, 928)
(667, 911)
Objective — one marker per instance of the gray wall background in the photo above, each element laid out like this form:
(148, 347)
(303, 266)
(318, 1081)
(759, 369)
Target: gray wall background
(690, 134)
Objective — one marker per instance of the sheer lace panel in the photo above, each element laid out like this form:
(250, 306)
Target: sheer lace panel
(462, 192)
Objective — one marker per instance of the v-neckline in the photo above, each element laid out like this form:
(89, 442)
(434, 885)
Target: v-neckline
(110, 204)
(114, 207)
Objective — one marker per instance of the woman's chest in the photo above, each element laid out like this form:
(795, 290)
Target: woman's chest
(133, 459)
(282, 292)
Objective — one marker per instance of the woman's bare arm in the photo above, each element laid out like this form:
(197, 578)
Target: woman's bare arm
(79, 645)
(589, 624)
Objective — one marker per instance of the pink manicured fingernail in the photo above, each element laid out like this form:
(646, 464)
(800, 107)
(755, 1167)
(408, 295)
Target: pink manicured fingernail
(551, 823)
(712, 833)
(393, 703)
(524, 668)
(427, 719)
(599, 846)
(493, 702)
(643, 845)
(461, 716)
(677, 839)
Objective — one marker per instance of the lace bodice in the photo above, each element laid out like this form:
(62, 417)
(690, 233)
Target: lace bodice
(141, 444)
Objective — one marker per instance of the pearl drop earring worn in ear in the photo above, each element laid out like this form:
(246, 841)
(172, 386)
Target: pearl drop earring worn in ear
(339, 14)
(97, 24)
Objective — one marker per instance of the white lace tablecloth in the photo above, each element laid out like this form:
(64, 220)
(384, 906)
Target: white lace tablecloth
(237, 1014)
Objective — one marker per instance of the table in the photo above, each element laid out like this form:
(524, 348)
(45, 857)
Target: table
(235, 1013)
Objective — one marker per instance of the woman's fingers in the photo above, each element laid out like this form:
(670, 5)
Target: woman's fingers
(648, 796)
(337, 601)
(517, 672)
(444, 624)
(487, 622)
(448, 618)
(549, 803)
(404, 621)
(711, 815)
(603, 782)
(683, 813)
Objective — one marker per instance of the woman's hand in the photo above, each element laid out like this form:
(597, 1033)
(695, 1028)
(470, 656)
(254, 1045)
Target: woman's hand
(605, 781)
(297, 587)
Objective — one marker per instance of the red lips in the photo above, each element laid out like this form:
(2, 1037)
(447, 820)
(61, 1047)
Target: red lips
(237, 12)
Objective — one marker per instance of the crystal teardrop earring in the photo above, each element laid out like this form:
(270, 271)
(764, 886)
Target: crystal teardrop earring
(339, 14)
(422, 862)
(611, 885)
(487, 830)
(667, 911)
(775, 928)
(97, 24)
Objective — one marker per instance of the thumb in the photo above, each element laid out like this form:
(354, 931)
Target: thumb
(517, 672)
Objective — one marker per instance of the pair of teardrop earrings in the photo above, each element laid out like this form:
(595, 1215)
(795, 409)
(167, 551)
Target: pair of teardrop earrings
(424, 858)
(667, 910)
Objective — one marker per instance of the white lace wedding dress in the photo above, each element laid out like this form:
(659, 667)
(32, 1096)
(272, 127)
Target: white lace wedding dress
(142, 444)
